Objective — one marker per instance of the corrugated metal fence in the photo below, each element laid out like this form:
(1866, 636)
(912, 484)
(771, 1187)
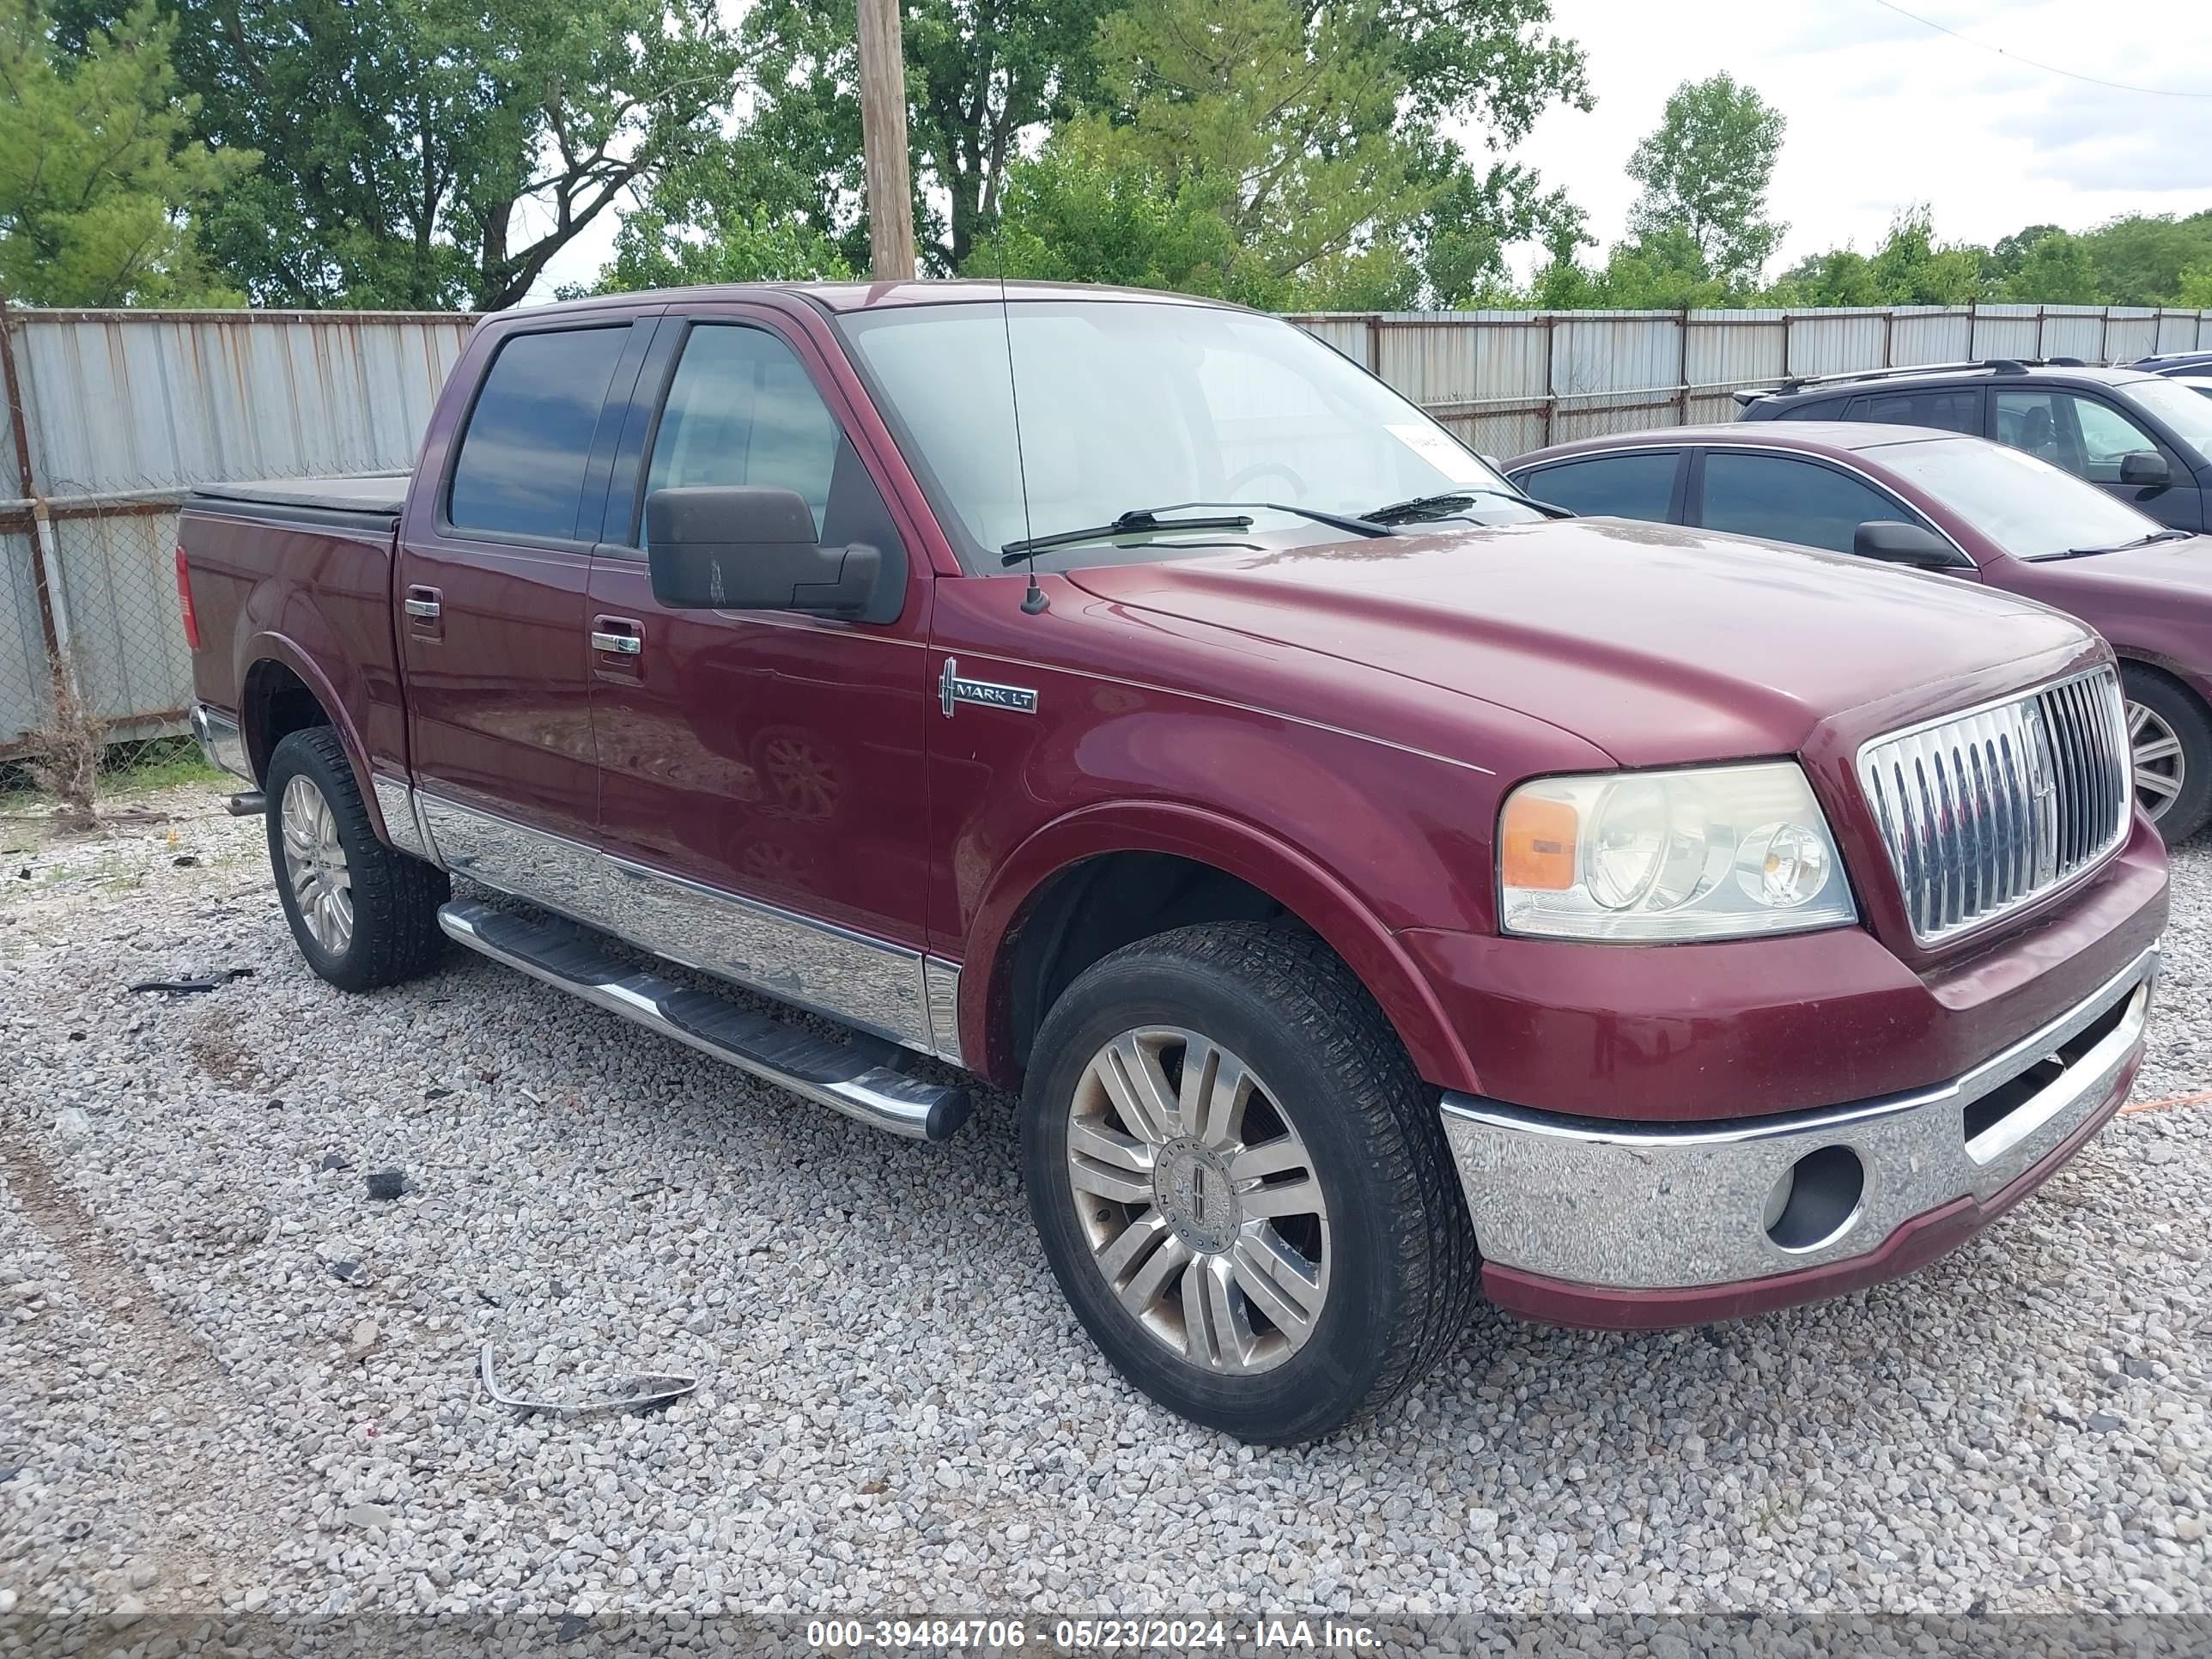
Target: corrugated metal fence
(1509, 382)
(112, 415)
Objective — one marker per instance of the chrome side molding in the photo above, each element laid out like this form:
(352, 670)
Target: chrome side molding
(830, 1074)
(870, 984)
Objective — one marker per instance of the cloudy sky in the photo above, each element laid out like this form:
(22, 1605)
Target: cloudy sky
(1884, 112)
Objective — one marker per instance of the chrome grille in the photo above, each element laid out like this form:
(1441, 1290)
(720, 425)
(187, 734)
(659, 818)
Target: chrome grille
(1983, 812)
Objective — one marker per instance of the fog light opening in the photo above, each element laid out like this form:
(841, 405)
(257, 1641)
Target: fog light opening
(1816, 1199)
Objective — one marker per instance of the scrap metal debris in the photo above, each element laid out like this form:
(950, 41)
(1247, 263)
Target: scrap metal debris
(206, 982)
(385, 1185)
(674, 1387)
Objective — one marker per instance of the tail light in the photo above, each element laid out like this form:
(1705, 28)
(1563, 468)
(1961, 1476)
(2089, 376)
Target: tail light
(185, 601)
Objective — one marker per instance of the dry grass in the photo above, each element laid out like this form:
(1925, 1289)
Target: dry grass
(66, 756)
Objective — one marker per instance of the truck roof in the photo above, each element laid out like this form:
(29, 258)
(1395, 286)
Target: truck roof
(863, 296)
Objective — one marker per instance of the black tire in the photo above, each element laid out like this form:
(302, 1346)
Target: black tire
(395, 897)
(1401, 1253)
(2186, 813)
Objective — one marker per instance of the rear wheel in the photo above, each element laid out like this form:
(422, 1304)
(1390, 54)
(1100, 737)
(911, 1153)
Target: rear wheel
(1242, 1184)
(2173, 751)
(362, 913)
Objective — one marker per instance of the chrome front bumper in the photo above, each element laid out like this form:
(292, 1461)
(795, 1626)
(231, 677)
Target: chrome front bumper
(1663, 1206)
(221, 741)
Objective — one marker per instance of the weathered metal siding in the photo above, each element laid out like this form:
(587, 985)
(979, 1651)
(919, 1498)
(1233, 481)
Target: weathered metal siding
(122, 402)
(126, 411)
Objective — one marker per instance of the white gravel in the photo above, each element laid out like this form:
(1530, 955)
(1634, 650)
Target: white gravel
(229, 1378)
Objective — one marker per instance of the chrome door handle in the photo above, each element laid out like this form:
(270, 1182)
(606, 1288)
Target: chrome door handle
(622, 645)
(426, 609)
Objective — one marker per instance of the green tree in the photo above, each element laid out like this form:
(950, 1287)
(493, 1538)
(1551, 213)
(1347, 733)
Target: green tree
(1910, 268)
(1705, 174)
(2055, 270)
(1073, 215)
(725, 215)
(1323, 127)
(433, 153)
(2140, 259)
(99, 174)
(983, 77)
(2197, 287)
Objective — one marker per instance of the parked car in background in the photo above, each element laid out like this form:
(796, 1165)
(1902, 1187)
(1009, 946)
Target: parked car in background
(1968, 508)
(1376, 886)
(2141, 438)
(2192, 368)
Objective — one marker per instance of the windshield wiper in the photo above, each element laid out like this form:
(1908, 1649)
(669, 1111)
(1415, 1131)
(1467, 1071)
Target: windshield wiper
(2169, 535)
(1145, 521)
(1424, 508)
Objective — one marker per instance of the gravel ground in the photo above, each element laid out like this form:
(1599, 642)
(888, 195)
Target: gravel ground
(228, 1378)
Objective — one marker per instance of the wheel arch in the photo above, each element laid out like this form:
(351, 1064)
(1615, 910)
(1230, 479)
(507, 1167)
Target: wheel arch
(1030, 936)
(281, 691)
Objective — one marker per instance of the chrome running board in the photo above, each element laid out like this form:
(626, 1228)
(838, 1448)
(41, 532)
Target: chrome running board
(838, 1075)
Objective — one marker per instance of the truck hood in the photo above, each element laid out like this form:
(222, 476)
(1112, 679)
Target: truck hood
(1660, 645)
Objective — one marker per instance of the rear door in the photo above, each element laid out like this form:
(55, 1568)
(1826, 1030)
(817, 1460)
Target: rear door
(761, 777)
(490, 609)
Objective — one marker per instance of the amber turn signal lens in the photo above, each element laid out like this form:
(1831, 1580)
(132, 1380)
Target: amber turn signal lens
(1537, 843)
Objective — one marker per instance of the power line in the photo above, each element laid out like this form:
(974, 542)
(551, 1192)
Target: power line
(2048, 69)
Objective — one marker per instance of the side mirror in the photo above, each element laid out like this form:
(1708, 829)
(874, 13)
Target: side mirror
(1493, 464)
(750, 547)
(1893, 542)
(2145, 469)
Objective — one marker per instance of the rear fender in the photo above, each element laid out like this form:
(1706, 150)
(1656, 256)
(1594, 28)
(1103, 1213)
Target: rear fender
(269, 647)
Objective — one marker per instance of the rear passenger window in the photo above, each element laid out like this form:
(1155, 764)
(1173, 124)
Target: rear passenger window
(1957, 410)
(520, 471)
(1610, 486)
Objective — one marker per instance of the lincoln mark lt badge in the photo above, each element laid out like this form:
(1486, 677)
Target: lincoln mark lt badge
(952, 687)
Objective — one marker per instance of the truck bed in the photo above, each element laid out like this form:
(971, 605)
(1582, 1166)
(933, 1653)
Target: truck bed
(379, 494)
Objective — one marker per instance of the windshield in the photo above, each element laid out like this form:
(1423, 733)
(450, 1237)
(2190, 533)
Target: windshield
(1128, 406)
(2187, 414)
(2026, 506)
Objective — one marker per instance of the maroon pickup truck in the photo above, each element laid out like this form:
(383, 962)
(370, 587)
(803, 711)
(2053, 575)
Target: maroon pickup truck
(1633, 926)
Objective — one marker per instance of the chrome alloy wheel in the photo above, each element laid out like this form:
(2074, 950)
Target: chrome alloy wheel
(2161, 765)
(315, 865)
(1198, 1199)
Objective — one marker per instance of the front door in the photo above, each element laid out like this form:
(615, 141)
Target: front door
(490, 594)
(2093, 439)
(761, 772)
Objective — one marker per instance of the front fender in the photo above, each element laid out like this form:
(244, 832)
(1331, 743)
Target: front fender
(1308, 890)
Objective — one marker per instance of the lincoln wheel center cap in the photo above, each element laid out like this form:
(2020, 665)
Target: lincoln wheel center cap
(1192, 1189)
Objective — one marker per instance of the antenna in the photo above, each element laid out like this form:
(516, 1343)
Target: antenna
(1034, 601)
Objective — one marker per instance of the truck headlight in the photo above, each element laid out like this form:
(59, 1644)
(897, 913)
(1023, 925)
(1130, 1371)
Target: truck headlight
(1722, 852)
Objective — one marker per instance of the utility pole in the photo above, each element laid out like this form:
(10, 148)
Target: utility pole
(883, 140)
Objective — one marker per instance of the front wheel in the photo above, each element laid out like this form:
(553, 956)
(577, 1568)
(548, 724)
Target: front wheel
(1241, 1183)
(2171, 745)
(362, 913)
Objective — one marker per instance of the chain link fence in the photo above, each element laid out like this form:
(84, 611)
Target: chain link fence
(107, 421)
